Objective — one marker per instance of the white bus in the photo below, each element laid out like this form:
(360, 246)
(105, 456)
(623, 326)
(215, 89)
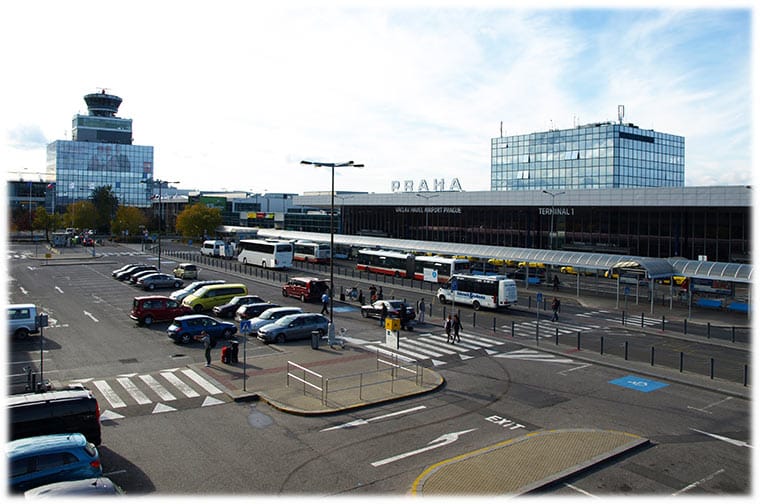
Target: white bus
(405, 265)
(486, 291)
(311, 252)
(264, 253)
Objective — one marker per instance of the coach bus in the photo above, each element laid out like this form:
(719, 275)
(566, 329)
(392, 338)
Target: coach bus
(265, 253)
(479, 291)
(311, 252)
(406, 265)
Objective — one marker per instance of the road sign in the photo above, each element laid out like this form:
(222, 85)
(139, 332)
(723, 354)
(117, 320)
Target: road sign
(539, 297)
(245, 326)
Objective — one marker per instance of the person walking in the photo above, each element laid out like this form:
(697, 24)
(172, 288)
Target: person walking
(361, 297)
(555, 310)
(421, 310)
(325, 303)
(383, 314)
(447, 328)
(205, 338)
(380, 293)
(455, 325)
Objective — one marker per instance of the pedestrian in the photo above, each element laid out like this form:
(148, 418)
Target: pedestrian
(555, 310)
(383, 314)
(380, 293)
(556, 283)
(325, 303)
(455, 325)
(205, 338)
(447, 328)
(372, 293)
(421, 310)
(361, 297)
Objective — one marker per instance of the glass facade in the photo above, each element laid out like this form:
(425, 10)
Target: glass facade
(595, 156)
(80, 167)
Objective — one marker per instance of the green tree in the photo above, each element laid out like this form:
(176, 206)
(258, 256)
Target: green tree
(198, 220)
(128, 221)
(106, 203)
(81, 215)
(48, 222)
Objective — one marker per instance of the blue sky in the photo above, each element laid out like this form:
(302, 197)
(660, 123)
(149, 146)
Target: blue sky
(233, 97)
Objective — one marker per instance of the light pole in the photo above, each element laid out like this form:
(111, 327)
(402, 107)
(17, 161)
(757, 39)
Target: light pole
(427, 198)
(160, 185)
(551, 226)
(332, 166)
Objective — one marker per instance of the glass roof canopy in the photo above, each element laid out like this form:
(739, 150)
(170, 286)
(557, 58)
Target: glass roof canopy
(654, 267)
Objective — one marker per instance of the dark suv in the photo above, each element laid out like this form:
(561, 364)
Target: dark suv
(305, 289)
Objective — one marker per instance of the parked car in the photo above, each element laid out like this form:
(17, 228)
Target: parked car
(40, 460)
(249, 311)
(125, 267)
(137, 276)
(184, 329)
(270, 315)
(159, 281)
(293, 327)
(89, 487)
(228, 309)
(22, 320)
(304, 288)
(62, 411)
(181, 294)
(186, 271)
(209, 296)
(125, 274)
(149, 309)
(394, 307)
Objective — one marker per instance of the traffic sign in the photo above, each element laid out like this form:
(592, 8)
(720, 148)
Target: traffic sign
(245, 326)
(539, 297)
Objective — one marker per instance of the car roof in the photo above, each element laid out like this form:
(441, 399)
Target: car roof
(85, 487)
(43, 443)
(192, 316)
(22, 305)
(166, 298)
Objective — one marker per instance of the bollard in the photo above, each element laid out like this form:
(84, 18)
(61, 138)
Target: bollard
(745, 375)
(444, 312)
(712, 368)
(513, 328)
(601, 345)
(529, 301)
(474, 315)
(623, 317)
(625, 352)
(651, 359)
(578, 345)
(642, 319)
(556, 336)
(536, 332)
(680, 363)
(663, 322)
(684, 326)
(494, 324)
(733, 334)
(708, 330)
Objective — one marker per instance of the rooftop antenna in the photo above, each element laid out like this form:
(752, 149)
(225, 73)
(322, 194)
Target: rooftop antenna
(501, 129)
(621, 113)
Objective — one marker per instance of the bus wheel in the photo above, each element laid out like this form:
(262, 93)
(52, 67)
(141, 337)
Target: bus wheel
(245, 260)
(475, 305)
(264, 264)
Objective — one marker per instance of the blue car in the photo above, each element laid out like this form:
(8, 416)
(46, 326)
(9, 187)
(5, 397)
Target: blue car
(184, 329)
(39, 460)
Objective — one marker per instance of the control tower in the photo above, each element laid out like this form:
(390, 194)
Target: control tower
(101, 124)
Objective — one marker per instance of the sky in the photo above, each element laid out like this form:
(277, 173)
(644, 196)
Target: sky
(233, 95)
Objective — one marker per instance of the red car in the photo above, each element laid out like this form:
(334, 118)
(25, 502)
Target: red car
(149, 309)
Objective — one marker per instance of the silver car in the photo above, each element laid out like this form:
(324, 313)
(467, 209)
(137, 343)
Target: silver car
(271, 315)
(181, 294)
(159, 281)
(293, 327)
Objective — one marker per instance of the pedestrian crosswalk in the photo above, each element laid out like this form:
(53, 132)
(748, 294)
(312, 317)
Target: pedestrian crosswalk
(164, 390)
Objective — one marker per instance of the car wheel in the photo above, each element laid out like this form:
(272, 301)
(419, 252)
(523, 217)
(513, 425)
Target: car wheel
(185, 339)
(365, 314)
(147, 321)
(284, 293)
(475, 305)
(151, 287)
(245, 260)
(442, 299)
(303, 298)
(280, 338)
(264, 264)
(177, 284)
(22, 333)
(198, 308)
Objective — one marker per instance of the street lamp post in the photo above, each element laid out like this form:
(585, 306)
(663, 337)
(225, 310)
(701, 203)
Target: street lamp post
(427, 197)
(160, 204)
(551, 226)
(332, 166)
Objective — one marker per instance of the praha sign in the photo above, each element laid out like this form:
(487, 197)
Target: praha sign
(438, 185)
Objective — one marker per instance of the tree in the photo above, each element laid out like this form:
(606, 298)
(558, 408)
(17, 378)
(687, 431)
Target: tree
(128, 221)
(81, 215)
(46, 221)
(198, 220)
(106, 203)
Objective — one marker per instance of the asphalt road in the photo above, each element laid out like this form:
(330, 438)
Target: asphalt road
(699, 437)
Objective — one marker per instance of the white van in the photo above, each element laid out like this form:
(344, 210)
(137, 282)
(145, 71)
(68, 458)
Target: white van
(214, 248)
(23, 320)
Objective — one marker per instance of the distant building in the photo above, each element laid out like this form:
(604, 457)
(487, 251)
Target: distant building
(100, 154)
(594, 156)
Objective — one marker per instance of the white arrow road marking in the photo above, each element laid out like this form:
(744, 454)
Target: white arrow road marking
(436, 443)
(90, 315)
(211, 401)
(734, 442)
(58, 289)
(163, 408)
(23, 291)
(110, 415)
(361, 421)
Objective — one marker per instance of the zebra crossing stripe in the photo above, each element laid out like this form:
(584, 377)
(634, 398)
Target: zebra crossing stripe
(207, 385)
(533, 355)
(420, 342)
(180, 385)
(132, 390)
(159, 389)
(391, 353)
(108, 393)
(460, 344)
(405, 347)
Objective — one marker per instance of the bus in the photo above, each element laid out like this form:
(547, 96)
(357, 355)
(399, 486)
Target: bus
(406, 265)
(479, 291)
(311, 252)
(264, 253)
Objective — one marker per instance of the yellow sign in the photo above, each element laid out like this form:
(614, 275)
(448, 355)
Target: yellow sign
(392, 324)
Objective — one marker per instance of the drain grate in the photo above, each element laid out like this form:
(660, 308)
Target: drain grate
(128, 361)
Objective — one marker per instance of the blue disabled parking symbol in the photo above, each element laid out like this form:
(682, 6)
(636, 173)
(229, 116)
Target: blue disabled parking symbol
(638, 383)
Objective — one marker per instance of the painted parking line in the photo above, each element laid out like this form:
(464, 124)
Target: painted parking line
(638, 383)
